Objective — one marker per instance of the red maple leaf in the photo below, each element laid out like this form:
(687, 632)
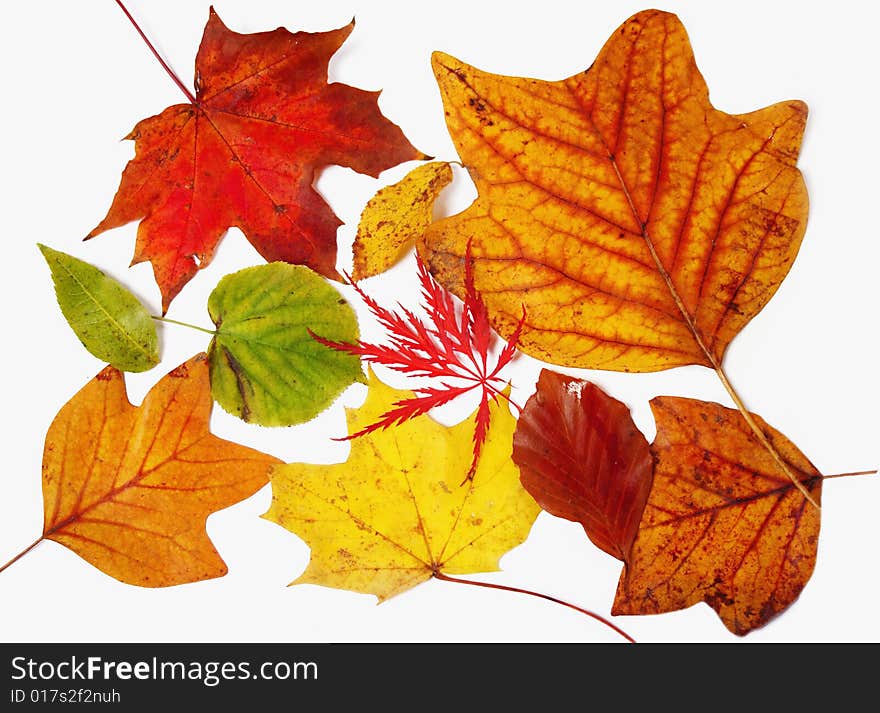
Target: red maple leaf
(452, 347)
(243, 152)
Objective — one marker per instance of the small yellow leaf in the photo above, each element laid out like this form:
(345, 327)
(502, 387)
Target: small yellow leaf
(395, 217)
(399, 510)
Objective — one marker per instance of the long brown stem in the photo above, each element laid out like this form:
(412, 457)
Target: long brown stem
(187, 93)
(759, 432)
(710, 356)
(517, 590)
(849, 475)
(22, 553)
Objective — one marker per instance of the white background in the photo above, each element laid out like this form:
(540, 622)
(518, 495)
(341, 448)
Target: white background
(76, 78)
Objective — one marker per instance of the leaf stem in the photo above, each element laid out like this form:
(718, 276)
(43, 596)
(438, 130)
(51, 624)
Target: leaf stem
(758, 431)
(710, 356)
(181, 85)
(22, 553)
(184, 324)
(848, 475)
(517, 590)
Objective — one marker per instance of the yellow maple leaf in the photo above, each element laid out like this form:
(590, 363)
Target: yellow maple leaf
(397, 512)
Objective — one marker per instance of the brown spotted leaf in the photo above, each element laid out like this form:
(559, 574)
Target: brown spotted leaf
(129, 488)
(721, 525)
(395, 217)
(582, 458)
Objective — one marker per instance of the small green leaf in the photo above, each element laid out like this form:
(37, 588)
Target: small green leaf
(110, 321)
(265, 366)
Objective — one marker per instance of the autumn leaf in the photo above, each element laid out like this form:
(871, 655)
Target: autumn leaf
(129, 488)
(640, 227)
(453, 350)
(109, 320)
(265, 366)
(582, 458)
(721, 525)
(396, 217)
(244, 152)
(395, 514)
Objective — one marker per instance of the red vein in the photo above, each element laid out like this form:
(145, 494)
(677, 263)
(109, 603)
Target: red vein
(710, 356)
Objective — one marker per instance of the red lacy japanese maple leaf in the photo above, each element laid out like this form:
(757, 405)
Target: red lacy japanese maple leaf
(452, 348)
(244, 153)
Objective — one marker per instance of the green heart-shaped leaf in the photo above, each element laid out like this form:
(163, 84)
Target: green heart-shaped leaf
(265, 366)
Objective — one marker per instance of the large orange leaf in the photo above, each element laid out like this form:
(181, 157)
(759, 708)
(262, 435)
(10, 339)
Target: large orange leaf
(640, 227)
(721, 525)
(129, 489)
(244, 153)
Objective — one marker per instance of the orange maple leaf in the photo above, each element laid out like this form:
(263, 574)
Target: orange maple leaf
(244, 152)
(129, 489)
(720, 525)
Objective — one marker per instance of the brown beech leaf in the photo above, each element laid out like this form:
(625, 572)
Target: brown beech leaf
(129, 488)
(640, 227)
(721, 524)
(245, 151)
(582, 458)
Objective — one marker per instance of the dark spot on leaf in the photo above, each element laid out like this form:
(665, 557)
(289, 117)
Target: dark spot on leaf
(241, 383)
(180, 372)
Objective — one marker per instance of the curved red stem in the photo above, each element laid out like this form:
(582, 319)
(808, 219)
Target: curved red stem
(517, 590)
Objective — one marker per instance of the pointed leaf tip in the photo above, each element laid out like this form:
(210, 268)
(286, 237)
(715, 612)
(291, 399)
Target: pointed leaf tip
(394, 513)
(582, 458)
(721, 524)
(396, 217)
(664, 197)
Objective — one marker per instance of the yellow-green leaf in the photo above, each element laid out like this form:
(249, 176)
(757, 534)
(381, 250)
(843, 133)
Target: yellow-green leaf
(265, 366)
(110, 321)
